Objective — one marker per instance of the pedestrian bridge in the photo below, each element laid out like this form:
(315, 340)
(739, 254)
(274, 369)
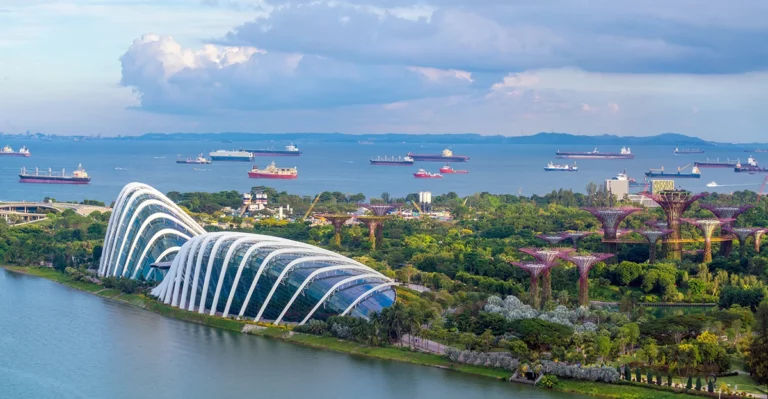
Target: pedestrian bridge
(17, 213)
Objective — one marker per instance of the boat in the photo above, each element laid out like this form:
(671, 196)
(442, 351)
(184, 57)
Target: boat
(200, 160)
(685, 151)
(423, 174)
(623, 176)
(366, 142)
(625, 153)
(79, 176)
(757, 150)
(561, 168)
(290, 151)
(716, 164)
(695, 173)
(273, 172)
(394, 161)
(448, 170)
(712, 184)
(224, 155)
(445, 156)
(750, 167)
(7, 151)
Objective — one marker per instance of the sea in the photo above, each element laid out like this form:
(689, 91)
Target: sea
(344, 167)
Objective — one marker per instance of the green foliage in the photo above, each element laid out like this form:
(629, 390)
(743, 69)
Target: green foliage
(537, 333)
(548, 381)
(751, 298)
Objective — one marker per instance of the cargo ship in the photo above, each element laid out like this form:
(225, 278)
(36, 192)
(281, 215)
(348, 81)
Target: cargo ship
(224, 155)
(750, 167)
(7, 151)
(551, 167)
(623, 176)
(757, 150)
(686, 151)
(625, 153)
(393, 161)
(273, 172)
(79, 176)
(448, 170)
(290, 151)
(695, 173)
(200, 160)
(445, 156)
(716, 164)
(423, 174)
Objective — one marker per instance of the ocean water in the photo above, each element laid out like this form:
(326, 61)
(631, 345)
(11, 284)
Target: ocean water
(343, 167)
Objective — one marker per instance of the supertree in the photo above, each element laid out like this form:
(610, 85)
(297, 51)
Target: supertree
(611, 218)
(653, 236)
(659, 224)
(374, 223)
(546, 255)
(758, 239)
(726, 212)
(674, 203)
(535, 269)
(337, 221)
(742, 234)
(707, 227)
(576, 236)
(584, 263)
(551, 238)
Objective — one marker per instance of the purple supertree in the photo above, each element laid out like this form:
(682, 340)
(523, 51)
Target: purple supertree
(707, 227)
(337, 221)
(380, 209)
(375, 222)
(726, 212)
(551, 238)
(758, 238)
(611, 218)
(653, 236)
(584, 263)
(546, 255)
(674, 203)
(535, 269)
(659, 224)
(576, 236)
(742, 233)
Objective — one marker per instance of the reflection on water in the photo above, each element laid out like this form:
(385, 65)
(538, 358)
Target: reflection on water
(56, 342)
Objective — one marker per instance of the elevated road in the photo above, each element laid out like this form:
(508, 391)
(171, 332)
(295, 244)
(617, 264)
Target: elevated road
(29, 212)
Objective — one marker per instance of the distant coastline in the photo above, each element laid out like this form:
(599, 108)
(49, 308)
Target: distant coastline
(562, 139)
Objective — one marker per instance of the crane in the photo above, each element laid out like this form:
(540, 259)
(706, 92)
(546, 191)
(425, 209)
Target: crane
(312, 206)
(682, 168)
(418, 208)
(762, 187)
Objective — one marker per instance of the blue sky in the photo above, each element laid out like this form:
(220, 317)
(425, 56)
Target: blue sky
(373, 66)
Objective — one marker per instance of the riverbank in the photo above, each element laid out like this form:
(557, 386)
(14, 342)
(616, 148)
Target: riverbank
(329, 343)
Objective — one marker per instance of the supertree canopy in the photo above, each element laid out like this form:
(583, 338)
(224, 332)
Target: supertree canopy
(707, 227)
(653, 236)
(611, 218)
(551, 238)
(546, 255)
(576, 236)
(584, 263)
(742, 233)
(380, 209)
(722, 211)
(535, 269)
(337, 221)
(374, 223)
(674, 203)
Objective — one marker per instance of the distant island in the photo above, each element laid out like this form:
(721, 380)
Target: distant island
(543, 138)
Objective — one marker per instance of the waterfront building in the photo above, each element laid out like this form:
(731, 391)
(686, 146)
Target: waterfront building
(233, 274)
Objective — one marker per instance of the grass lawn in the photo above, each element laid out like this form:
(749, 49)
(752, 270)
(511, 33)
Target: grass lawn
(742, 381)
(617, 391)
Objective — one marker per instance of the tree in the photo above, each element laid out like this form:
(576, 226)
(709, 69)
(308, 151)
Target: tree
(757, 359)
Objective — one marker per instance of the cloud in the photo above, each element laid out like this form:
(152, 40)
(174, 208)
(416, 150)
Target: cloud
(169, 78)
(504, 36)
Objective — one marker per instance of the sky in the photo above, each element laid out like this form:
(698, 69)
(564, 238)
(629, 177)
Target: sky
(510, 67)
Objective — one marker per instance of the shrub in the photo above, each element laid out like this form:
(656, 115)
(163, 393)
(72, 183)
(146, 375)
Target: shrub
(548, 381)
(604, 374)
(493, 359)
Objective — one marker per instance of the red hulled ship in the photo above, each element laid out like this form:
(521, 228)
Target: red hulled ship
(273, 172)
(448, 170)
(423, 174)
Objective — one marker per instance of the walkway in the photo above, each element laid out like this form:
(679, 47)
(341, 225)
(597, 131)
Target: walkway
(422, 344)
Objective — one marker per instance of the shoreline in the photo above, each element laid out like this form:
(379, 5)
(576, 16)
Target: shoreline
(392, 353)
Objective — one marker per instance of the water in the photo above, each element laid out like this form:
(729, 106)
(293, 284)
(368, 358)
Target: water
(57, 342)
(342, 167)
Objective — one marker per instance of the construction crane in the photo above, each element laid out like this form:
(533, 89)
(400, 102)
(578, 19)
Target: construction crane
(312, 206)
(418, 208)
(762, 187)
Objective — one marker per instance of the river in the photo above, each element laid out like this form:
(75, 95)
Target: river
(58, 342)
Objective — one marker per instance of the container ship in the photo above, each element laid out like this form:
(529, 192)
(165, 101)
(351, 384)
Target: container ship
(7, 151)
(445, 156)
(224, 155)
(750, 167)
(79, 176)
(423, 174)
(695, 173)
(200, 160)
(685, 151)
(393, 161)
(625, 153)
(448, 170)
(551, 167)
(273, 172)
(716, 164)
(289, 151)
